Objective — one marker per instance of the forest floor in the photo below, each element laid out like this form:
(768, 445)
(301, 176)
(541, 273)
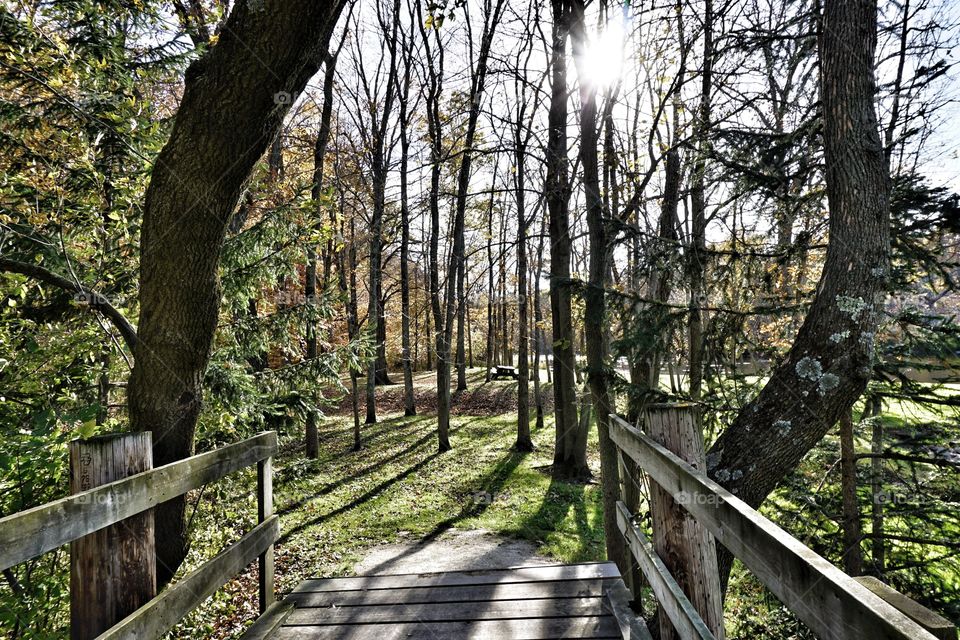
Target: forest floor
(347, 506)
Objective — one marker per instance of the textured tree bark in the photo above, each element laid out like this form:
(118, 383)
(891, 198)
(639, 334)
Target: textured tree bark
(568, 459)
(852, 557)
(831, 360)
(234, 101)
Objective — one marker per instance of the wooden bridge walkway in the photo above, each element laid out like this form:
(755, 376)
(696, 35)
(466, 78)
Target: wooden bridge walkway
(523, 603)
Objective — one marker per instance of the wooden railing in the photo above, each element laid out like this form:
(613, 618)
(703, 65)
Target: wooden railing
(30, 533)
(832, 604)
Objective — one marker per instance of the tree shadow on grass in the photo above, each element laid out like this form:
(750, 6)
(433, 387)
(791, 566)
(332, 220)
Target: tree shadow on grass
(474, 505)
(560, 498)
(375, 491)
(368, 495)
(333, 486)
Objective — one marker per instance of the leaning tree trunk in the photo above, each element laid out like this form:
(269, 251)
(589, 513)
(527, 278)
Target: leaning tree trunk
(234, 101)
(831, 360)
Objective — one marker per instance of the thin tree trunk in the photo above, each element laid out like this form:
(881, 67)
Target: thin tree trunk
(491, 360)
(409, 406)
(852, 558)
(492, 15)
(698, 240)
(310, 286)
(877, 545)
(461, 336)
(595, 332)
(379, 118)
(568, 460)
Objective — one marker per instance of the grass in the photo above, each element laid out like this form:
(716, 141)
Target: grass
(398, 488)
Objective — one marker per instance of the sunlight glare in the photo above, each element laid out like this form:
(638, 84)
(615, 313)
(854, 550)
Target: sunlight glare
(603, 57)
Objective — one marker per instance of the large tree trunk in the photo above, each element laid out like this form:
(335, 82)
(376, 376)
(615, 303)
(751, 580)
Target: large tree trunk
(568, 459)
(831, 361)
(234, 101)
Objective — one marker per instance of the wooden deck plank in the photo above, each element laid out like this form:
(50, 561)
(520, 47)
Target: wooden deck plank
(536, 629)
(455, 593)
(522, 603)
(448, 611)
(498, 576)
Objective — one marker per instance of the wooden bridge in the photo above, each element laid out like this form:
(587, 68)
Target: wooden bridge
(563, 601)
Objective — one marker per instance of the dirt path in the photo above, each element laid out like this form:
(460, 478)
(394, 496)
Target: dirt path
(451, 551)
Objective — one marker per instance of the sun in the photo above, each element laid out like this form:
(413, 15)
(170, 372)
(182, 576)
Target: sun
(603, 56)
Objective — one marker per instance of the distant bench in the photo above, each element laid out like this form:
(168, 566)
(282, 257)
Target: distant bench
(501, 371)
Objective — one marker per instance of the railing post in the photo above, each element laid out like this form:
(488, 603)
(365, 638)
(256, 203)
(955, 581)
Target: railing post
(630, 496)
(264, 511)
(686, 547)
(113, 571)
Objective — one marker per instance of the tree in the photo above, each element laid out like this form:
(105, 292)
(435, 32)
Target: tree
(493, 12)
(570, 457)
(831, 360)
(595, 312)
(249, 83)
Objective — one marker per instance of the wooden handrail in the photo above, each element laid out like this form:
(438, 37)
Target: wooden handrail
(832, 604)
(163, 612)
(685, 618)
(29, 533)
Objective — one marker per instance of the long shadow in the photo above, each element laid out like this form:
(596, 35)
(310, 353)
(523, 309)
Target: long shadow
(333, 486)
(369, 495)
(490, 485)
(380, 433)
(375, 491)
(553, 510)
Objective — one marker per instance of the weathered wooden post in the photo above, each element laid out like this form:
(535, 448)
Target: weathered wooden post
(686, 547)
(264, 511)
(630, 496)
(112, 571)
